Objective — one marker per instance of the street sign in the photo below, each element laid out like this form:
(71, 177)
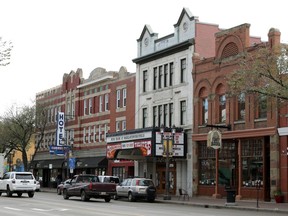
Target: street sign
(58, 150)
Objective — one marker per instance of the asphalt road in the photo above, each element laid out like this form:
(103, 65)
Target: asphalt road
(50, 204)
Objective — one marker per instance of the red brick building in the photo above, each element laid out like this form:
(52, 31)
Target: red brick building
(93, 107)
(250, 152)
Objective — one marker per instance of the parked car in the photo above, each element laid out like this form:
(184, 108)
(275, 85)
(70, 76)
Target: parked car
(111, 179)
(89, 186)
(18, 182)
(137, 188)
(38, 186)
(61, 185)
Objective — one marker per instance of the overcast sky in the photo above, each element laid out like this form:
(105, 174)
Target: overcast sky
(53, 37)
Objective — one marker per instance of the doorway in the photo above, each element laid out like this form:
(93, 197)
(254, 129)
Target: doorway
(161, 178)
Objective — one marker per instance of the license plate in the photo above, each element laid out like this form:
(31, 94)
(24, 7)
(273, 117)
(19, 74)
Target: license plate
(103, 193)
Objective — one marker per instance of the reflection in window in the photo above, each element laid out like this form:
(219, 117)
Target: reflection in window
(252, 162)
(204, 111)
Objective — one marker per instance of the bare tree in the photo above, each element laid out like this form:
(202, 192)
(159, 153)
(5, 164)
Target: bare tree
(5, 52)
(18, 126)
(264, 71)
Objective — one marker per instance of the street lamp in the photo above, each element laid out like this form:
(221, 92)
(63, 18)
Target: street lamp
(167, 152)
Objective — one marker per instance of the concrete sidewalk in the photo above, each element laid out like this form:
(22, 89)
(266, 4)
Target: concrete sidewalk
(210, 202)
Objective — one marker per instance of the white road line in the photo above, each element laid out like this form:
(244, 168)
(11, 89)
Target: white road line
(15, 209)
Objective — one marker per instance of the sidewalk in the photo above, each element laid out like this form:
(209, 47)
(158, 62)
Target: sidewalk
(209, 202)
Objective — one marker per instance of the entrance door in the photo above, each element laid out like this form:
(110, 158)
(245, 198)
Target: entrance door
(161, 178)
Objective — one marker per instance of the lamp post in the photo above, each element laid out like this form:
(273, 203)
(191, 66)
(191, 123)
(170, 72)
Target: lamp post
(167, 152)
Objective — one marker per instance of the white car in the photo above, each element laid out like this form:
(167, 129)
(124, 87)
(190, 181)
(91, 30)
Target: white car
(19, 183)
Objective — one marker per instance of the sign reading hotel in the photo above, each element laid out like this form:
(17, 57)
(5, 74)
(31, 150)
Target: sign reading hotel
(214, 139)
(60, 131)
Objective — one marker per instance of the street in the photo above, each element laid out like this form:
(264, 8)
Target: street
(48, 204)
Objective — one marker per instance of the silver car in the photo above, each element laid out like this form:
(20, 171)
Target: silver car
(137, 188)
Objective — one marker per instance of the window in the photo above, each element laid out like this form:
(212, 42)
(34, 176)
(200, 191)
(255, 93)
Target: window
(55, 114)
(123, 125)
(72, 109)
(183, 70)
(90, 106)
(165, 75)
(166, 116)
(222, 108)
(84, 135)
(124, 92)
(89, 134)
(204, 111)
(171, 115)
(49, 115)
(94, 134)
(117, 126)
(252, 162)
(145, 117)
(85, 107)
(118, 98)
(155, 78)
(183, 112)
(145, 80)
(100, 103)
(155, 116)
(52, 114)
(171, 72)
(160, 112)
(105, 131)
(262, 107)
(99, 132)
(241, 107)
(106, 102)
(160, 77)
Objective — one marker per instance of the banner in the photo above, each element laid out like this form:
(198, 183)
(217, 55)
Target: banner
(60, 130)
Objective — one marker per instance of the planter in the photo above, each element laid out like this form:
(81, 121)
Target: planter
(279, 198)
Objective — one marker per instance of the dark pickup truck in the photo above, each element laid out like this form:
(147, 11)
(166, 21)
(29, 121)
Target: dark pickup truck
(88, 186)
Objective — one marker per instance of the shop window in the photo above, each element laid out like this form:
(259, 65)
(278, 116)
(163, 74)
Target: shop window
(252, 162)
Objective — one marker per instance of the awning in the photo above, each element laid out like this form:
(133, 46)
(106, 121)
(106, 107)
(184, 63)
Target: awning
(47, 164)
(91, 162)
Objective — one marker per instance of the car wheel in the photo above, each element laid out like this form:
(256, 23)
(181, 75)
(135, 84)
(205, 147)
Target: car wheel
(19, 194)
(84, 197)
(58, 191)
(65, 196)
(30, 194)
(107, 199)
(8, 192)
(130, 197)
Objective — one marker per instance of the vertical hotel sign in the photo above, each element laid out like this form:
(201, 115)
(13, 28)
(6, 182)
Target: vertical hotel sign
(60, 131)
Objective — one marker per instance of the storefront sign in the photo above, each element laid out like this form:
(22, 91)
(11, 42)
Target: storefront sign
(214, 139)
(178, 144)
(129, 137)
(144, 146)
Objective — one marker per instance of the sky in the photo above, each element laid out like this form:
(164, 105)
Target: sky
(53, 37)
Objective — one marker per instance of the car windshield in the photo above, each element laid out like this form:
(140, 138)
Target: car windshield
(144, 182)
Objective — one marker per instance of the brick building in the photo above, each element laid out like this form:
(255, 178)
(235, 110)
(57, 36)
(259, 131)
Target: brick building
(250, 152)
(92, 107)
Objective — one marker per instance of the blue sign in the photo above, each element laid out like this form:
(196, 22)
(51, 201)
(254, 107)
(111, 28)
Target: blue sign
(58, 150)
(72, 163)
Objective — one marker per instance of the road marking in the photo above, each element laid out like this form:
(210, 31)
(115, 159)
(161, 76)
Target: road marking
(47, 210)
(15, 209)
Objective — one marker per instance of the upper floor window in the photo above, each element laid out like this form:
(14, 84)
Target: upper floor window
(124, 92)
(90, 106)
(160, 77)
(155, 78)
(85, 107)
(165, 75)
(123, 125)
(241, 107)
(222, 108)
(145, 80)
(73, 109)
(100, 103)
(183, 70)
(145, 117)
(183, 112)
(155, 116)
(117, 126)
(262, 107)
(171, 73)
(106, 102)
(171, 115)
(118, 99)
(204, 115)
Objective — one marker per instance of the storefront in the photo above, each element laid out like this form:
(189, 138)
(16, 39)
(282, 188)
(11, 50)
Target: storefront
(145, 148)
(242, 164)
